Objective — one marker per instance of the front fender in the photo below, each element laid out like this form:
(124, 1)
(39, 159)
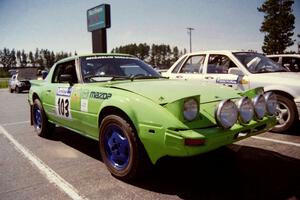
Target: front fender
(151, 122)
(282, 88)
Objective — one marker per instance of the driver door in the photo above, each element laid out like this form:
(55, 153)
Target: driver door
(217, 71)
(58, 97)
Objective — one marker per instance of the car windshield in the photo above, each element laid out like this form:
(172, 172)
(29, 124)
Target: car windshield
(258, 63)
(107, 68)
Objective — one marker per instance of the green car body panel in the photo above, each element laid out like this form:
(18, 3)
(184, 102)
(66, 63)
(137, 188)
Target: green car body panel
(154, 107)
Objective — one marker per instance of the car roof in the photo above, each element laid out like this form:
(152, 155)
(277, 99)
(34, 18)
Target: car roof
(219, 52)
(284, 55)
(94, 54)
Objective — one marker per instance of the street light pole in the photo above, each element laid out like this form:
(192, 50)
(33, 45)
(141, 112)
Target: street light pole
(190, 29)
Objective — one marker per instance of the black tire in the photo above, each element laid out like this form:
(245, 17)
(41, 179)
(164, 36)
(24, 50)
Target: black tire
(40, 122)
(286, 114)
(10, 89)
(137, 164)
(17, 89)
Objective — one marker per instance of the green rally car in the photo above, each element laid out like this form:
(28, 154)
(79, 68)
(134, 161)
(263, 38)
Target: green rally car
(138, 116)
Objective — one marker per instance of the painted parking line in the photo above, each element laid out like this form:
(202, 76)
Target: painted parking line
(15, 123)
(276, 141)
(44, 169)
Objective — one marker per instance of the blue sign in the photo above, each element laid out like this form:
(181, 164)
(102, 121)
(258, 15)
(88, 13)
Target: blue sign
(98, 17)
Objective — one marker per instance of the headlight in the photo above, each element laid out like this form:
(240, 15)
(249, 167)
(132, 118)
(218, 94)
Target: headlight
(259, 106)
(246, 110)
(226, 114)
(271, 103)
(190, 109)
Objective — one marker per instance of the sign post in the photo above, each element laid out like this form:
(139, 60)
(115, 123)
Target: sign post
(98, 20)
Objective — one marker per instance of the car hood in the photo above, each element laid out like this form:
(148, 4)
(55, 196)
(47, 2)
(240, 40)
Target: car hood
(167, 91)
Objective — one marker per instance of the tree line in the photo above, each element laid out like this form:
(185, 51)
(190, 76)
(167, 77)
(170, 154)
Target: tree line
(278, 25)
(42, 58)
(158, 55)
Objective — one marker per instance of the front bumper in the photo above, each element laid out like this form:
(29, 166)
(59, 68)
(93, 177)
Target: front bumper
(160, 142)
(24, 87)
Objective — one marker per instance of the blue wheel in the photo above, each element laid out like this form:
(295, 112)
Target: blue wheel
(40, 121)
(37, 117)
(117, 147)
(121, 149)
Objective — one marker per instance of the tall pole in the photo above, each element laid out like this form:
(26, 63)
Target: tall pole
(190, 29)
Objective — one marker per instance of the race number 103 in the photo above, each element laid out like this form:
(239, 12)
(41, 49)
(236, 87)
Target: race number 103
(63, 107)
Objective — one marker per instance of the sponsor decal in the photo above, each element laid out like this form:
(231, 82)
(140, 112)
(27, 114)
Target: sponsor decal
(63, 102)
(104, 57)
(226, 81)
(100, 95)
(63, 107)
(64, 91)
(84, 104)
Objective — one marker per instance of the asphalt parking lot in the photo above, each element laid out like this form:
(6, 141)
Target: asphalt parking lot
(69, 166)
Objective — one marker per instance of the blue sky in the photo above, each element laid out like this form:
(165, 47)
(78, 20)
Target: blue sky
(61, 24)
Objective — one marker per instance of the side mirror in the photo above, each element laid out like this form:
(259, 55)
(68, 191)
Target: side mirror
(235, 71)
(66, 78)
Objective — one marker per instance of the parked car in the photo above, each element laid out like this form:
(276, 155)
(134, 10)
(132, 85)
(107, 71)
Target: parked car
(290, 61)
(244, 70)
(20, 80)
(137, 116)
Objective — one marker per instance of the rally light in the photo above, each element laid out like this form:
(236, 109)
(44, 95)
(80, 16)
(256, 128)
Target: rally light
(259, 103)
(271, 103)
(226, 114)
(246, 110)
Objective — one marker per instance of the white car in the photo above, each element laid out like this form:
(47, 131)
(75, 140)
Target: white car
(244, 70)
(289, 61)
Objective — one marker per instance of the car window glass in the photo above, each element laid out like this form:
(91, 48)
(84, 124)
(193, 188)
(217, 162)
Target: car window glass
(193, 65)
(292, 64)
(176, 69)
(276, 59)
(219, 64)
(65, 68)
(131, 69)
(258, 63)
(99, 68)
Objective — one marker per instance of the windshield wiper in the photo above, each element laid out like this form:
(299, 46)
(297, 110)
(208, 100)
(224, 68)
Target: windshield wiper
(281, 70)
(112, 78)
(115, 78)
(139, 76)
(261, 72)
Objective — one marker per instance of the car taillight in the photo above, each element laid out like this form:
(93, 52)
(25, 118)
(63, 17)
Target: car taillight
(194, 142)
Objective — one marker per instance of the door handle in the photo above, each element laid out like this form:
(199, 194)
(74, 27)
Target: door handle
(48, 90)
(179, 76)
(209, 77)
